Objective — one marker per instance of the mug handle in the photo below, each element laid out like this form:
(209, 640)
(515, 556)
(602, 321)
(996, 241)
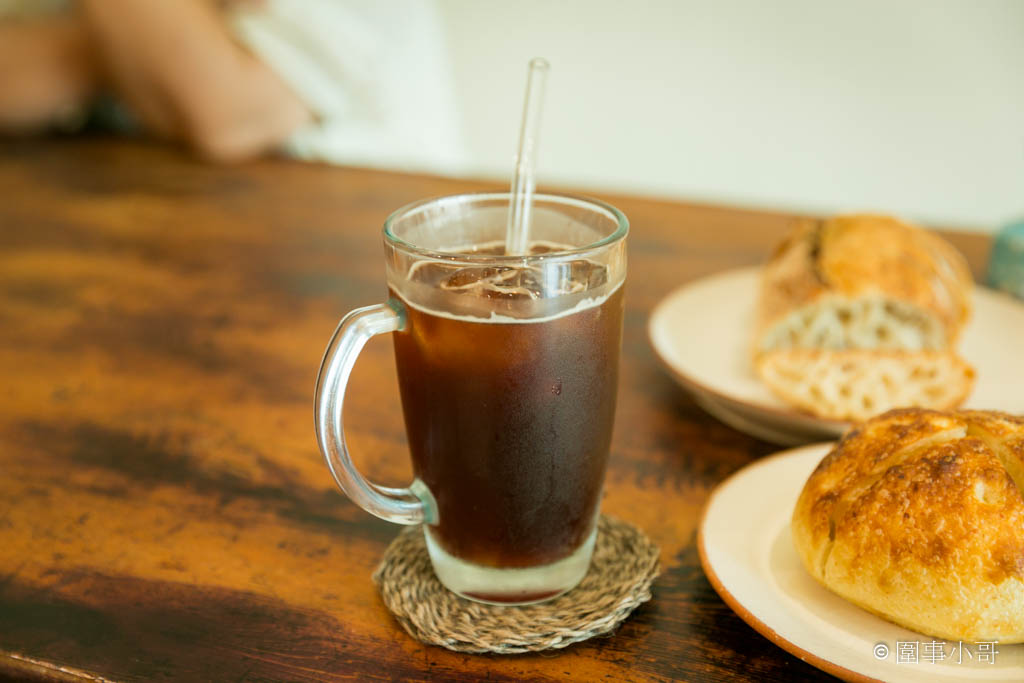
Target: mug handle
(412, 505)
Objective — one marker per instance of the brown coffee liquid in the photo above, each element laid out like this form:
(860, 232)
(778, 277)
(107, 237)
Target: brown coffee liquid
(509, 423)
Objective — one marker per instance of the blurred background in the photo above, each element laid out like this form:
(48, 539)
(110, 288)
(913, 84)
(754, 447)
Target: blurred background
(909, 107)
(913, 107)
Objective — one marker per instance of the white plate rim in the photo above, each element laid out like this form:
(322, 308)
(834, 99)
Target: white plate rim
(736, 606)
(796, 426)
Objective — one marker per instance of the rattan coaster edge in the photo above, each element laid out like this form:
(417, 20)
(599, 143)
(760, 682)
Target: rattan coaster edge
(625, 564)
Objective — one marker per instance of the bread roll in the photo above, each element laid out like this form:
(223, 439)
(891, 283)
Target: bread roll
(837, 289)
(918, 517)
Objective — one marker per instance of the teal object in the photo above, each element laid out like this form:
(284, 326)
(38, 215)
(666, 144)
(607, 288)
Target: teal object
(1006, 264)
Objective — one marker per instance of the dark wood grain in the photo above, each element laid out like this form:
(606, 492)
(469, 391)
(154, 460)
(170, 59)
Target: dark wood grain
(164, 512)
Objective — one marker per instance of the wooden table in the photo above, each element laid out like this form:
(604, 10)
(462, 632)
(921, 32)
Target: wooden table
(164, 511)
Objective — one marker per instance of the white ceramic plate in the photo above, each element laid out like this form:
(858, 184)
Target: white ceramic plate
(702, 332)
(748, 556)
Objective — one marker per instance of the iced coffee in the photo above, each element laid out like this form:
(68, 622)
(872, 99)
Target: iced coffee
(508, 370)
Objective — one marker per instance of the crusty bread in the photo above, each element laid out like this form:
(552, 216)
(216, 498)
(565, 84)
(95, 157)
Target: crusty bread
(855, 384)
(863, 281)
(918, 516)
(836, 289)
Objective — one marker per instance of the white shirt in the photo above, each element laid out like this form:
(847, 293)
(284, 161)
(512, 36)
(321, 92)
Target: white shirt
(376, 75)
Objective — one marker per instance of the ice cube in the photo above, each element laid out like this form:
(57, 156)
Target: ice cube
(431, 272)
(495, 282)
(572, 277)
(473, 277)
(526, 282)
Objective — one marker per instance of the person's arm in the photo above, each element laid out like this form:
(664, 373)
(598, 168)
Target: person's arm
(46, 72)
(177, 67)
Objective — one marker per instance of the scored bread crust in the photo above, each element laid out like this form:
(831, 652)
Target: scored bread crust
(918, 516)
(855, 384)
(898, 276)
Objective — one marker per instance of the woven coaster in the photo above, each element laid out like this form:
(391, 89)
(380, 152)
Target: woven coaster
(625, 563)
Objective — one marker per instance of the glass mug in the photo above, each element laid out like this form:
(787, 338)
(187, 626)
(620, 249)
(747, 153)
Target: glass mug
(508, 372)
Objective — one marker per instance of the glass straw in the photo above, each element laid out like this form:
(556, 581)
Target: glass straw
(517, 234)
